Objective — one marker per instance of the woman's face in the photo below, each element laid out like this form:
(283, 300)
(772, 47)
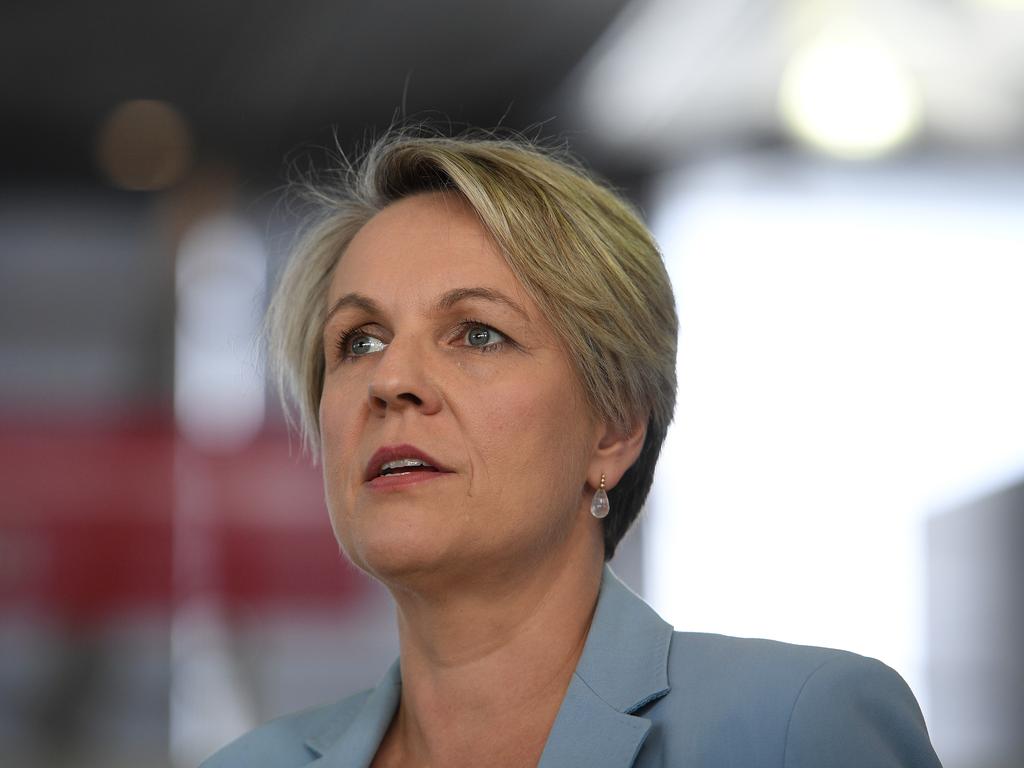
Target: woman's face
(433, 344)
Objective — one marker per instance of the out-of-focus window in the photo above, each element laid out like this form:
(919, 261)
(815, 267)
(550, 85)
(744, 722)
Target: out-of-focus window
(849, 364)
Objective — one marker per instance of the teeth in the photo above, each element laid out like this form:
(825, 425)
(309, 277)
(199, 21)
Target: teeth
(402, 464)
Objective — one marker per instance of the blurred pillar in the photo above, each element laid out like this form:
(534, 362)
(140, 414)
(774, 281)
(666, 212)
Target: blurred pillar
(976, 631)
(218, 410)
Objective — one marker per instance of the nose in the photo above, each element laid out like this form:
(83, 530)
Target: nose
(400, 381)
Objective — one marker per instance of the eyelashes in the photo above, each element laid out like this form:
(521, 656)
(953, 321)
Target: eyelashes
(364, 337)
(342, 345)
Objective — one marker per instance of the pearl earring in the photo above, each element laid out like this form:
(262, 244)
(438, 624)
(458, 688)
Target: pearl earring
(599, 506)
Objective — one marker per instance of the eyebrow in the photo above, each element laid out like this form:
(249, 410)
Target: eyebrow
(448, 300)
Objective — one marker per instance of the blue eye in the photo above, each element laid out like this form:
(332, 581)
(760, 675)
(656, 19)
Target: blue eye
(358, 343)
(483, 336)
(364, 345)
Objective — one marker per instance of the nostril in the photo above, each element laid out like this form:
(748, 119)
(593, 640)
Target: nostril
(383, 401)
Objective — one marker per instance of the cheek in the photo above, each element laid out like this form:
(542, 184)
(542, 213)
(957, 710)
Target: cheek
(338, 427)
(533, 438)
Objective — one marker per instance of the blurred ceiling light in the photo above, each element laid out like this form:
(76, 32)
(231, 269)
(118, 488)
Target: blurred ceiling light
(668, 74)
(670, 80)
(846, 94)
(144, 145)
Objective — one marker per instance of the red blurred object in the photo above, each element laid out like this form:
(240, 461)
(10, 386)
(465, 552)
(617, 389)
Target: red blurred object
(99, 520)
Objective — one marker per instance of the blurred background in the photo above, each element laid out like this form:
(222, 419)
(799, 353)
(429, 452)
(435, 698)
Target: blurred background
(838, 188)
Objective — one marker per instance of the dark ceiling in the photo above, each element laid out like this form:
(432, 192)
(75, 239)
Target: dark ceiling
(259, 79)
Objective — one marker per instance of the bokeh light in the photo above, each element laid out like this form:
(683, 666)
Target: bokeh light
(847, 94)
(144, 145)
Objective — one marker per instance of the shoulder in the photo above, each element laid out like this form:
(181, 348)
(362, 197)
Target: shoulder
(851, 707)
(286, 742)
(800, 705)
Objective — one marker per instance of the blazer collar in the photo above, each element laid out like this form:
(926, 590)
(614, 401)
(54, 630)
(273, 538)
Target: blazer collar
(352, 742)
(624, 665)
(625, 658)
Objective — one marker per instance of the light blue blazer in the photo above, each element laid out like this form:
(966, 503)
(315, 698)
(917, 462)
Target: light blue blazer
(645, 696)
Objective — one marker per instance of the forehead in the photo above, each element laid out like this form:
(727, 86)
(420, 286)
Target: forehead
(419, 247)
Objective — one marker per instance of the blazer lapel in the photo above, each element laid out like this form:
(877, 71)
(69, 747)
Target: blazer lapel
(352, 743)
(588, 733)
(624, 666)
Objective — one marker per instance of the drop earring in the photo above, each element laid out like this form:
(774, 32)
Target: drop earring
(599, 506)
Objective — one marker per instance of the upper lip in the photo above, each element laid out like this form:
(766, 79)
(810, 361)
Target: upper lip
(388, 453)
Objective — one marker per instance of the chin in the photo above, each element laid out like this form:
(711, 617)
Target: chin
(400, 556)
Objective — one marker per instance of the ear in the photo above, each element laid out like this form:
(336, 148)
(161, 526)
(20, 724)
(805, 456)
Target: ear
(617, 449)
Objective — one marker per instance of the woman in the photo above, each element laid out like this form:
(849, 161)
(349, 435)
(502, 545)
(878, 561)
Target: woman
(481, 343)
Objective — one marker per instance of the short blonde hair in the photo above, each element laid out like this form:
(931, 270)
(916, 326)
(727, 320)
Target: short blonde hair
(579, 250)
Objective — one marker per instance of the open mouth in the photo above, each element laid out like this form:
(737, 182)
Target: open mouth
(399, 464)
(405, 467)
(396, 477)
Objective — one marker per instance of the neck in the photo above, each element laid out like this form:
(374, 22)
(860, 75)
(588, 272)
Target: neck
(485, 668)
